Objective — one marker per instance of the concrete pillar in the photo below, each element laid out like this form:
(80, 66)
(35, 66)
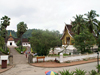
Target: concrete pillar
(80, 54)
(10, 59)
(61, 57)
(30, 58)
(71, 53)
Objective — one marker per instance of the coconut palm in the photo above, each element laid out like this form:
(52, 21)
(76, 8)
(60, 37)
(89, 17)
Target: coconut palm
(91, 20)
(5, 21)
(98, 29)
(78, 24)
(21, 29)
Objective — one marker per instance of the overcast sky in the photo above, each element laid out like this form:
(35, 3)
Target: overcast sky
(45, 14)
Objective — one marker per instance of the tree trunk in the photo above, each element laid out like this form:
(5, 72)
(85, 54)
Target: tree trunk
(21, 42)
(6, 42)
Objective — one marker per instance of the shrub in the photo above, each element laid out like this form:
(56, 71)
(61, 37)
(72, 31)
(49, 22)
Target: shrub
(79, 72)
(98, 67)
(66, 72)
(65, 54)
(4, 51)
(19, 49)
(93, 72)
(85, 59)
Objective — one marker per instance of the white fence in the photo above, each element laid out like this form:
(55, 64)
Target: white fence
(68, 58)
(46, 59)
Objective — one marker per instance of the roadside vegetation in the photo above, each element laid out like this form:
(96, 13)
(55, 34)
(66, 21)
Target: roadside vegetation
(79, 72)
(21, 51)
(5, 21)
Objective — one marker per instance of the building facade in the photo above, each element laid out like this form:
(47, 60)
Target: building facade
(11, 41)
(67, 35)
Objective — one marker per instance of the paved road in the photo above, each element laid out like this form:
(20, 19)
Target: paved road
(18, 58)
(26, 69)
(22, 68)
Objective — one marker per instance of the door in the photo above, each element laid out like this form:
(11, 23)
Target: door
(10, 43)
(4, 63)
(68, 40)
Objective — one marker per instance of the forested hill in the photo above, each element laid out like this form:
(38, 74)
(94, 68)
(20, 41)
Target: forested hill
(27, 34)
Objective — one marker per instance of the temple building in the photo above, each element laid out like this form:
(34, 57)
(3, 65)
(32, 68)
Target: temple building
(67, 35)
(11, 41)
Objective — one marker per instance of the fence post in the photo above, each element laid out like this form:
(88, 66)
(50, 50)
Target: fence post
(61, 57)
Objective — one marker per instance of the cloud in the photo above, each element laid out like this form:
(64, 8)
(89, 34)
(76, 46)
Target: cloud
(45, 14)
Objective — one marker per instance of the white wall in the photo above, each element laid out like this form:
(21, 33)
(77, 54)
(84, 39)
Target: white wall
(69, 58)
(1, 61)
(25, 44)
(46, 59)
(13, 43)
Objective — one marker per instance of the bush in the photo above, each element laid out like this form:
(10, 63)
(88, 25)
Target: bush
(4, 51)
(65, 54)
(98, 67)
(19, 49)
(93, 72)
(79, 72)
(66, 72)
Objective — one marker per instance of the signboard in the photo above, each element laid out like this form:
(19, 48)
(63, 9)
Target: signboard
(4, 57)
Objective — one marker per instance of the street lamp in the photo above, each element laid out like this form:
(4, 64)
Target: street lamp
(98, 60)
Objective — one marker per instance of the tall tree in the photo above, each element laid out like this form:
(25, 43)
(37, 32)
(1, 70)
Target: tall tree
(41, 41)
(78, 24)
(21, 29)
(84, 41)
(91, 20)
(98, 29)
(5, 21)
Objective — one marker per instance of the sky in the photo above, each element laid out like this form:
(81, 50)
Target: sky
(45, 14)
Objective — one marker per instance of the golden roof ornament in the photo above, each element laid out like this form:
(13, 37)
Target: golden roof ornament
(10, 34)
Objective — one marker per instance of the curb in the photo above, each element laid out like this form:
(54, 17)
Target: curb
(7, 69)
(66, 64)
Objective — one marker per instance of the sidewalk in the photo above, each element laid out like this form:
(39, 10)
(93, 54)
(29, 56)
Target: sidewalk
(5, 69)
(55, 64)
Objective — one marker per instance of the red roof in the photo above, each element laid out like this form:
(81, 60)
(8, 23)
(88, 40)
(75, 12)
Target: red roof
(23, 40)
(10, 38)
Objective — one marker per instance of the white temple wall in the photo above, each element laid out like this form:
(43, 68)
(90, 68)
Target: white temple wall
(11, 43)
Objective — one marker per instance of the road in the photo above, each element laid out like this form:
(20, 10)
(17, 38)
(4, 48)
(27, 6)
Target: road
(23, 68)
(17, 58)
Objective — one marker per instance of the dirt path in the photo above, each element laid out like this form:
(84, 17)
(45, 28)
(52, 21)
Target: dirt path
(18, 58)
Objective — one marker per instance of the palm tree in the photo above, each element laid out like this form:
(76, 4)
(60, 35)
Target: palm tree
(5, 21)
(78, 24)
(91, 20)
(98, 29)
(21, 29)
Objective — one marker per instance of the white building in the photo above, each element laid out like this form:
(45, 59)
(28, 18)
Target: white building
(11, 41)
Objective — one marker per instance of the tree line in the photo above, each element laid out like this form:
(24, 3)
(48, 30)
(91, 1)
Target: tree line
(27, 34)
